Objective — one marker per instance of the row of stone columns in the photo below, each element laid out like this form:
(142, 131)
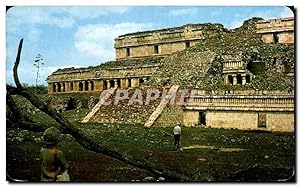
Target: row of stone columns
(235, 81)
(93, 85)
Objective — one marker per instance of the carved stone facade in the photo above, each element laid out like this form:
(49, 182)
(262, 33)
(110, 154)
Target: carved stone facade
(162, 42)
(248, 110)
(85, 80)
(235, 71)
(277, 30)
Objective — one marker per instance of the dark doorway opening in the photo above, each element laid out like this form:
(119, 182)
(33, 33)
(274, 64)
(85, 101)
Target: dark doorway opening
(141, 81)
(54, 88)
(58, 87)
(86, 85)
(202, 118)
(129, 82)
(112, 83)
(247, 78)
(92, 85)
(127, 51)
(276, 37)
(119, 83)
(80, 86)
(71, 86)
(71, 104)
(156, 50)
(239, 79)
(187, 44)
(230, 79)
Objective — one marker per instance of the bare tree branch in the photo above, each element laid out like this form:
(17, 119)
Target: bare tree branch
(17, 62)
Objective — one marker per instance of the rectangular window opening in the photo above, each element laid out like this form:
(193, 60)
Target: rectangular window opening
(187, 44)
(127, 51)
(156, 49)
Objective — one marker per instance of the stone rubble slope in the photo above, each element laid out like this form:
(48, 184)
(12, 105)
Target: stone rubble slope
(200, 66)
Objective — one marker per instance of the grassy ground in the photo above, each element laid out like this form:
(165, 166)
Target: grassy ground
(207, 154)
(204, 156)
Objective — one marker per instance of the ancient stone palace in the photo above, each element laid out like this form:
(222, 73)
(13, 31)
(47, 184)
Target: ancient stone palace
(244, 77)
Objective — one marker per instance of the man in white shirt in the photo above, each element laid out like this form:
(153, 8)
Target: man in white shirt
(176, 132)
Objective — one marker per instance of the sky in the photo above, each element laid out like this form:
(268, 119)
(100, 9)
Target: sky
(82, 36)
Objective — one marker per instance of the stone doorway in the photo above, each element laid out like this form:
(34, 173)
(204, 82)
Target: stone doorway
(112, 84)
(202, 118)
(262, 120)
(230, 79)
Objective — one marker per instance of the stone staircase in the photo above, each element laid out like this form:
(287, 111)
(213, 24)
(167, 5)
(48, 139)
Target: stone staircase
(161, 106)
(97, 107)
(123, 113)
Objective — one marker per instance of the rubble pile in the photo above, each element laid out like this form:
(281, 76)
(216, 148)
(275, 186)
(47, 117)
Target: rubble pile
(200, 67)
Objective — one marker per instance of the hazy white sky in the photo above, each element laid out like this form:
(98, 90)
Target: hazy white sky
(84, 36)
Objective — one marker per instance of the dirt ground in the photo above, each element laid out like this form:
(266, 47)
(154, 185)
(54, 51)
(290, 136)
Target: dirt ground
(215, 155)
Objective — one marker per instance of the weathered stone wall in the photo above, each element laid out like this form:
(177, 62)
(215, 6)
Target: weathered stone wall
(286, 37)
(232, 119)
(170, 116)
(277, 121)
(277, 30)
(244, 120)
(163, 42)
(190, 118)
(154, 49)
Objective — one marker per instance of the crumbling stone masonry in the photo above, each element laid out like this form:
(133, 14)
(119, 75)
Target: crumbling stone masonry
(235, 71)
(84, 80)
(164, 41)
(249, 110)
(277, 30)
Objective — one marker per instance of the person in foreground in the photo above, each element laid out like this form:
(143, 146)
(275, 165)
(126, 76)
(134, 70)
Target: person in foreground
(54, 166)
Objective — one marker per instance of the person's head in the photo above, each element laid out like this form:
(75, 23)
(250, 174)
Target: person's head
(51, 137)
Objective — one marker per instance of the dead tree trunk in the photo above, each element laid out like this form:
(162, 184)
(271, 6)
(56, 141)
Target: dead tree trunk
(84, 140)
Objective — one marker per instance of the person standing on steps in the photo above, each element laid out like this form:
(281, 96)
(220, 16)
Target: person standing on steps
(177, 133)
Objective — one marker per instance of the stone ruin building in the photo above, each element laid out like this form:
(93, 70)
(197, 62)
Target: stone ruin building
(150, 58)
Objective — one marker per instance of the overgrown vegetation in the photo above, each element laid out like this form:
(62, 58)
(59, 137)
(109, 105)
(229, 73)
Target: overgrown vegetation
(277, 60)
(207, 155)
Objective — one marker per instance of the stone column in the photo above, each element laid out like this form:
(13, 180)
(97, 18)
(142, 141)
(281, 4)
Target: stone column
(124, 83)
(108, 84)
(234, 79)
(135, 82)
(50, 88)
(98, 85)
(83, 85)
(63, 89)
(89, 86)
(67, 86)
(243, 79)
(116, 83)
(225, 79)
(76, 86)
